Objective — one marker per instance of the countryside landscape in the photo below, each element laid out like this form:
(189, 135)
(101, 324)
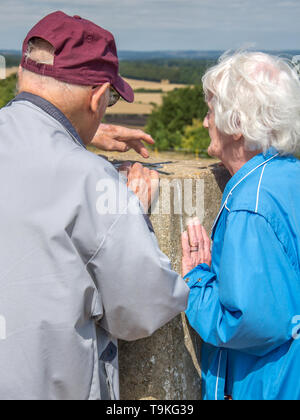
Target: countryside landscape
(169, 102)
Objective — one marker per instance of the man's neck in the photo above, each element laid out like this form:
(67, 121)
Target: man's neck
(52, 110)
(69, 110)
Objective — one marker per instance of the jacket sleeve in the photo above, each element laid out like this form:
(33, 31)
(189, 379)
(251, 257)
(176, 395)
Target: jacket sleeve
(139, 290)
(250, 306)
(134, 289)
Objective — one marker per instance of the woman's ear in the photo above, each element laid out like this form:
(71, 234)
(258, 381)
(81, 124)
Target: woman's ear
(99, 98)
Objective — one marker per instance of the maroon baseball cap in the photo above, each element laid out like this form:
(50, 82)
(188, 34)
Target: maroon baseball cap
(85, 54)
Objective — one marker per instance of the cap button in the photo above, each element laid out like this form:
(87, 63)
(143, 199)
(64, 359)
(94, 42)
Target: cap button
(90, 38)
(77, 17)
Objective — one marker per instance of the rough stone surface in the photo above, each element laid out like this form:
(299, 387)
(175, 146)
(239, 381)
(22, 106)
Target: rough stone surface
(166, 366)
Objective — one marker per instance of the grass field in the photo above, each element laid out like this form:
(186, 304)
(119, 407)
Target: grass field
(11, 70)
(143, 103)
(144, 84)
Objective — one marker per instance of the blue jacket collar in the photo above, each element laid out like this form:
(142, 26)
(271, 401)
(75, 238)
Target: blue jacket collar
(247, 168)
(250, 166)
(51, 110)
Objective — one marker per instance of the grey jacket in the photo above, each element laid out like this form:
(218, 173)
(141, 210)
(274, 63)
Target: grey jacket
(79, 268)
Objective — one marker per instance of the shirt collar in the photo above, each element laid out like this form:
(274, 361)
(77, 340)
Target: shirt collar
(51, 110)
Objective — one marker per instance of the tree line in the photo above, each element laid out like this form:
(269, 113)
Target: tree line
(12, 59)
(177, 123)
(185, 71)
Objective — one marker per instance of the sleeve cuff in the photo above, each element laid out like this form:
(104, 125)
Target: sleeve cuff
(198, 275)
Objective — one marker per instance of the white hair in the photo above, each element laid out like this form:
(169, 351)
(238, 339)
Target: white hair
(256, 95)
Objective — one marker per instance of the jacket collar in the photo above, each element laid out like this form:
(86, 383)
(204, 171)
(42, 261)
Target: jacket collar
(51, 110)
(248, 167)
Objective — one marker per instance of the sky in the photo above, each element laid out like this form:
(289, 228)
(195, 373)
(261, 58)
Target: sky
(150, 25)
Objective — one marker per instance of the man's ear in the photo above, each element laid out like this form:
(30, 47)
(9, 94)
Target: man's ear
(98, 98)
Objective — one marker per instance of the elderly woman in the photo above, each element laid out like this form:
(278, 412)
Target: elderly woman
(245, 296)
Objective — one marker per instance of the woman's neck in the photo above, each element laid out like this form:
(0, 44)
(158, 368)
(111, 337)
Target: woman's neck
(235, 158)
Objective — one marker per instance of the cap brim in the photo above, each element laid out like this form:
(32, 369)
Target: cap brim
(124, 89)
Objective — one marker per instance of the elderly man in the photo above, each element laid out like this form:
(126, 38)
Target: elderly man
(80, 265)
(245, 297)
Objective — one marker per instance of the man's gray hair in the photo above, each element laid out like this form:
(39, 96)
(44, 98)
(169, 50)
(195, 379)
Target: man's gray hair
(41, 51)
(257, 95)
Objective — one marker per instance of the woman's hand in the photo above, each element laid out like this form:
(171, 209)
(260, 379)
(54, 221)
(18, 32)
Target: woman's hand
(121, 139)
(195, 246)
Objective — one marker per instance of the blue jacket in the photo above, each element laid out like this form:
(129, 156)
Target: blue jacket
(246, 307)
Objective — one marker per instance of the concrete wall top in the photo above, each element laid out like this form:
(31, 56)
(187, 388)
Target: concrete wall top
(166, 365)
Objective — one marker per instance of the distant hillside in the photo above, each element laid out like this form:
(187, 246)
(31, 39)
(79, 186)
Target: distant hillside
(152, 55)
(10, 52)
(12, 57)
(146, 55)
(191, 55)
(180, 67)
(186, 67)
(179, 70)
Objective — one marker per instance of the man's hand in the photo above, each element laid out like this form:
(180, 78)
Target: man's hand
(121, 139)
(195, 247)
(143, 182)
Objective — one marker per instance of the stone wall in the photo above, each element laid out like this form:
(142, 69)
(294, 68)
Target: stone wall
(166, 366)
